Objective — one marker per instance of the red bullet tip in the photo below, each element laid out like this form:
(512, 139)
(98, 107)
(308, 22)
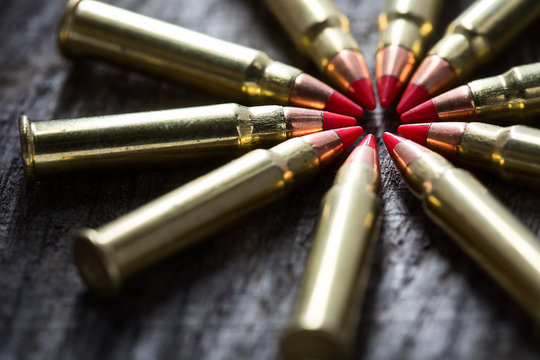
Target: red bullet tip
(334, 121)
(349, 135)
(413, 95)
(369, 140)
(361, 91)
(391, 140)
(426, 111)
(340, 104)
(415, 132)
(388, 88)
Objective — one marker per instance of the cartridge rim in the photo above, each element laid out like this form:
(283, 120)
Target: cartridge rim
(94, 265)
(65, 26)
(299, 343)
(26, 135)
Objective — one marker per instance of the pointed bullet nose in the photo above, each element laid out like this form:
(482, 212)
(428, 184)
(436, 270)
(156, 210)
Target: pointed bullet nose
(414, 94)
(415, 132)
(370, 141)
(349, 135)
(391, 140)
(361, 91)
(335, 121)
(425, 112)
(388, 88)
(338, 103)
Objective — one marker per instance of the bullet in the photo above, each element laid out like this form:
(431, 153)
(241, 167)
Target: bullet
(512, 97)
(108, 256)
(472, 40)
(322, 32)
(513, 152)
(405, 26)
(478, 222)
(165, 137)
(94, 29)
(328, 305)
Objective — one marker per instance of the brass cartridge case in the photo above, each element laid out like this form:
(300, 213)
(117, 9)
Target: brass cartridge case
(408, 23)
(157, 137)
(329, 302)
(94, 29)
(108, 256)
(508, 98)
(482, 31)
(513, 152)
(478, 222)
(317, 27)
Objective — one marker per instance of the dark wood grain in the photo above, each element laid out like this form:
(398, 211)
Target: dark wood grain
(229, 298)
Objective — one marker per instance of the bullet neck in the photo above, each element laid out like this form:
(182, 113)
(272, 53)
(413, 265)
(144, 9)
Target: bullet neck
(479, 142)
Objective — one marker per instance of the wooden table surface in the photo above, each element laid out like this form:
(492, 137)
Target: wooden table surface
(230, 297)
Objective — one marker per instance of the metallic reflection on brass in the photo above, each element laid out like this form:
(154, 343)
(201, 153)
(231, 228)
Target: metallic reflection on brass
(480, 225)
(325, 317)
(94, 29)
(157, 138)
(110, 255)
(482, 31)
(408, 24)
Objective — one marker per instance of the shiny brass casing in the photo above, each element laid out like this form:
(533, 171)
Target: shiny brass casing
(408, 23)
(317, 27)
(483, 30)
(91, 28)
(514, 152)
(329, 302)
(156, 137)
(508, 98)
(109, 255)
(479, 223)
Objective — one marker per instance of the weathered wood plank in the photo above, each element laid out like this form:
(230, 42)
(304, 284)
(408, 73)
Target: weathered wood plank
(229, 298)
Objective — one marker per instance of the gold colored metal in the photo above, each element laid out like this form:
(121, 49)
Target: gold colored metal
(408, 23)
(508, 98)
(91, 28)
(157, 137)
(482, 31)
(328, 306)
(479, 223)
(317, 27)
(514, 152)
(108, 256)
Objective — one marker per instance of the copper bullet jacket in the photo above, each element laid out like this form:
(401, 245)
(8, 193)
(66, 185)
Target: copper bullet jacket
(327, 309)
(482, 31)
(94, 29)
(479, 223)
(166, 137)
(108, 256)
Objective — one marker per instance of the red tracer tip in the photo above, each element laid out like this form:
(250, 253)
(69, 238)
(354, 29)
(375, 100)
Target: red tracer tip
(369, 140)
(388, 88)
(361, 91)
(335, 121)
(349, 135)
(415, 132)
(338, 103)
(391, 140)
(426, 111)
(414, 94)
